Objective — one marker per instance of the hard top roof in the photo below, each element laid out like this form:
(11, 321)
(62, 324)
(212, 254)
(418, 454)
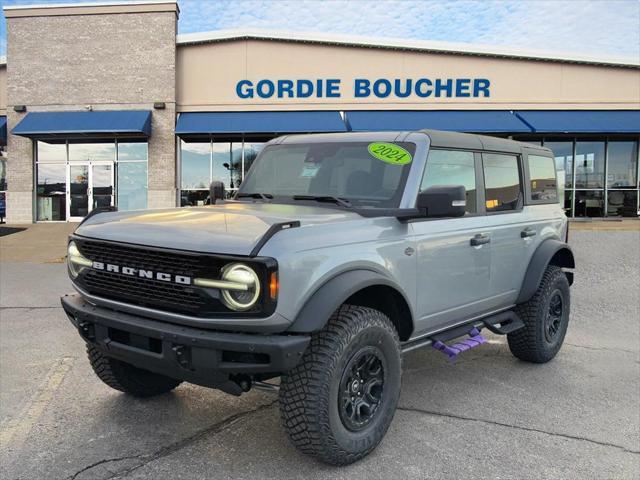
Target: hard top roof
(438, 139)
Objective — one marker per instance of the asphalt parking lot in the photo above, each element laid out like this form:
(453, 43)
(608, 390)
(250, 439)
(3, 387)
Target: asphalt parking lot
(486, 416)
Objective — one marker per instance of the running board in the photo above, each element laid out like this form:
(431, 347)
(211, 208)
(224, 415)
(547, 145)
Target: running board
(501, 323)
(452, 351)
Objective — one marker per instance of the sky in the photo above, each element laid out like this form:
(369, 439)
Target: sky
(603, 28)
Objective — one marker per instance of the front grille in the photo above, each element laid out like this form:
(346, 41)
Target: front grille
(151, 291)
(145, 291)
(165, 295)
(163, 261)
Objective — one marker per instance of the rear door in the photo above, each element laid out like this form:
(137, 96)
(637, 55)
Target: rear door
(513, 232)
(453, 277)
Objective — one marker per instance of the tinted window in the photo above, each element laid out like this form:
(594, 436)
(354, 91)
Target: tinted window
(346, 170)
(542, 174)
(449, 167)
(502, 182)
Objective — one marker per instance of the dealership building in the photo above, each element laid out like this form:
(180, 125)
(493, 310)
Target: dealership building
(105, 104)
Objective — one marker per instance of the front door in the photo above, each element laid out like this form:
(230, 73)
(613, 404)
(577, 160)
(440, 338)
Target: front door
(89, 185)
(454, 254)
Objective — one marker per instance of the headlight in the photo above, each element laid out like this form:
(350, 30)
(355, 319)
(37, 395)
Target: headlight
(240, 299)
(76, 261)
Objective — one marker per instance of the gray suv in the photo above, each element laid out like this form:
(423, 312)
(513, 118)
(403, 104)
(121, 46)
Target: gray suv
(338, 254)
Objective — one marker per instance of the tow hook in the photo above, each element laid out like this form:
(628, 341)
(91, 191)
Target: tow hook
(87, 330)
(183, 355)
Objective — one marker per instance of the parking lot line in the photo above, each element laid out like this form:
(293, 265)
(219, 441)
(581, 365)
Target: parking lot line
(16, 431)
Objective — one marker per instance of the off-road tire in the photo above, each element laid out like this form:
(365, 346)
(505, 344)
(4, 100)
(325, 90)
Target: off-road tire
(127, 378)
(531, 343)
(309, 394)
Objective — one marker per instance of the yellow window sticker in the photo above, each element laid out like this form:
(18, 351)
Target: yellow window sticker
(389, 153)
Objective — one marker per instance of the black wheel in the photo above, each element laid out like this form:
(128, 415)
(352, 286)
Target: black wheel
(546, 317)
(127, 378)
(338, 402)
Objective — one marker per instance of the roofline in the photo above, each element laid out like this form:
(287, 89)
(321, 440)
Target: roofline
(88, 4)
(3, 61)
(401, 44)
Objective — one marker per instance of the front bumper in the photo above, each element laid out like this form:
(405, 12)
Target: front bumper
(200, 356)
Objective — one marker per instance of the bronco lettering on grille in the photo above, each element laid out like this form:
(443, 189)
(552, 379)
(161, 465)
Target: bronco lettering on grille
(135, 272)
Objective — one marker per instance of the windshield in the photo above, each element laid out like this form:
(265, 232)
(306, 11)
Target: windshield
(362, 173)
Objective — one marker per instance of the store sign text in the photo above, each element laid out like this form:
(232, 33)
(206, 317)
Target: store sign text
(366, 88)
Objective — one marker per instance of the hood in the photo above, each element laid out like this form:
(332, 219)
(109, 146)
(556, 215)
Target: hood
(230, 228)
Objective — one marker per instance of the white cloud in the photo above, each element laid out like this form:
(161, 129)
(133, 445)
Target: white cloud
(588, 27)
(591, 27)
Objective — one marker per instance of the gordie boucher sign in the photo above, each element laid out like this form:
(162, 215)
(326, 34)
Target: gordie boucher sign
(366, 88)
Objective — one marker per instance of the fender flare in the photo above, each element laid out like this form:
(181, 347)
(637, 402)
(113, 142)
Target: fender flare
(550, 251)
(316, 312)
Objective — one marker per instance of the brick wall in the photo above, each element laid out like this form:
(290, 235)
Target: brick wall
(109, 61)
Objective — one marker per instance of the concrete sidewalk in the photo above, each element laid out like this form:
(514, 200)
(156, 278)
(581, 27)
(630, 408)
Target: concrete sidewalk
(613, 224)
(35, 243)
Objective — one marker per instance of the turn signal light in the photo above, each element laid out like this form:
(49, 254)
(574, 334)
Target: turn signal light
(274, 285)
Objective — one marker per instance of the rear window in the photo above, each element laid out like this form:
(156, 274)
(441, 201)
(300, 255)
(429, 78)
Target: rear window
(502, 182)
(542, 175)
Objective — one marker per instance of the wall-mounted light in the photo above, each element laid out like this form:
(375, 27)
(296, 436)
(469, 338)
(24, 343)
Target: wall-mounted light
(20, 108)
(159, 105)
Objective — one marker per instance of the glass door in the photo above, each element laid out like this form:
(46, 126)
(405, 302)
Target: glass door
(90, 185)
(101, 181)
(77, 192)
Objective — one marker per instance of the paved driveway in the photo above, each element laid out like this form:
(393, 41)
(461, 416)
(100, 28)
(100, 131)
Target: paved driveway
(487, 416)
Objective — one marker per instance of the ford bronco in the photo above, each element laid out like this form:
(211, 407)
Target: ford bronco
(338, 254)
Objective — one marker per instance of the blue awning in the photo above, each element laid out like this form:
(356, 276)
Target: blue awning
(3, 130)
(582, 121)
(205, 123)
(62, 124)
(455, 120)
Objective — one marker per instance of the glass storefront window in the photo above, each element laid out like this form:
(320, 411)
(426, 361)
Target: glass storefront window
(3, 173)
(193, 198)
(132, 185)
(222, 168)
(132, 150)
(568, 194)
(204, 162)
(236, 164)
(52, 152)
(622, 164)
(589, 165)
(92, 152)
(196, 168)
(622, 203)
(51, 192)
(589, 203)
(563, 152)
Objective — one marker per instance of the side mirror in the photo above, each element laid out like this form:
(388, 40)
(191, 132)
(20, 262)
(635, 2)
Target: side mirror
(216, 192)
(442, 201)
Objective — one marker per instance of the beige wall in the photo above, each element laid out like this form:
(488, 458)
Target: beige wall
(207, 75)
(3, 90)
(109, 61)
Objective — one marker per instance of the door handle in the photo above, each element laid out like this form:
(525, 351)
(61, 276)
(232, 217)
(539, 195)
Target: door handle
(527, 232)
(480, 239)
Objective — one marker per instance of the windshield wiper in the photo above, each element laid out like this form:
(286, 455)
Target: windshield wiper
(343, 202)
(262, 196)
